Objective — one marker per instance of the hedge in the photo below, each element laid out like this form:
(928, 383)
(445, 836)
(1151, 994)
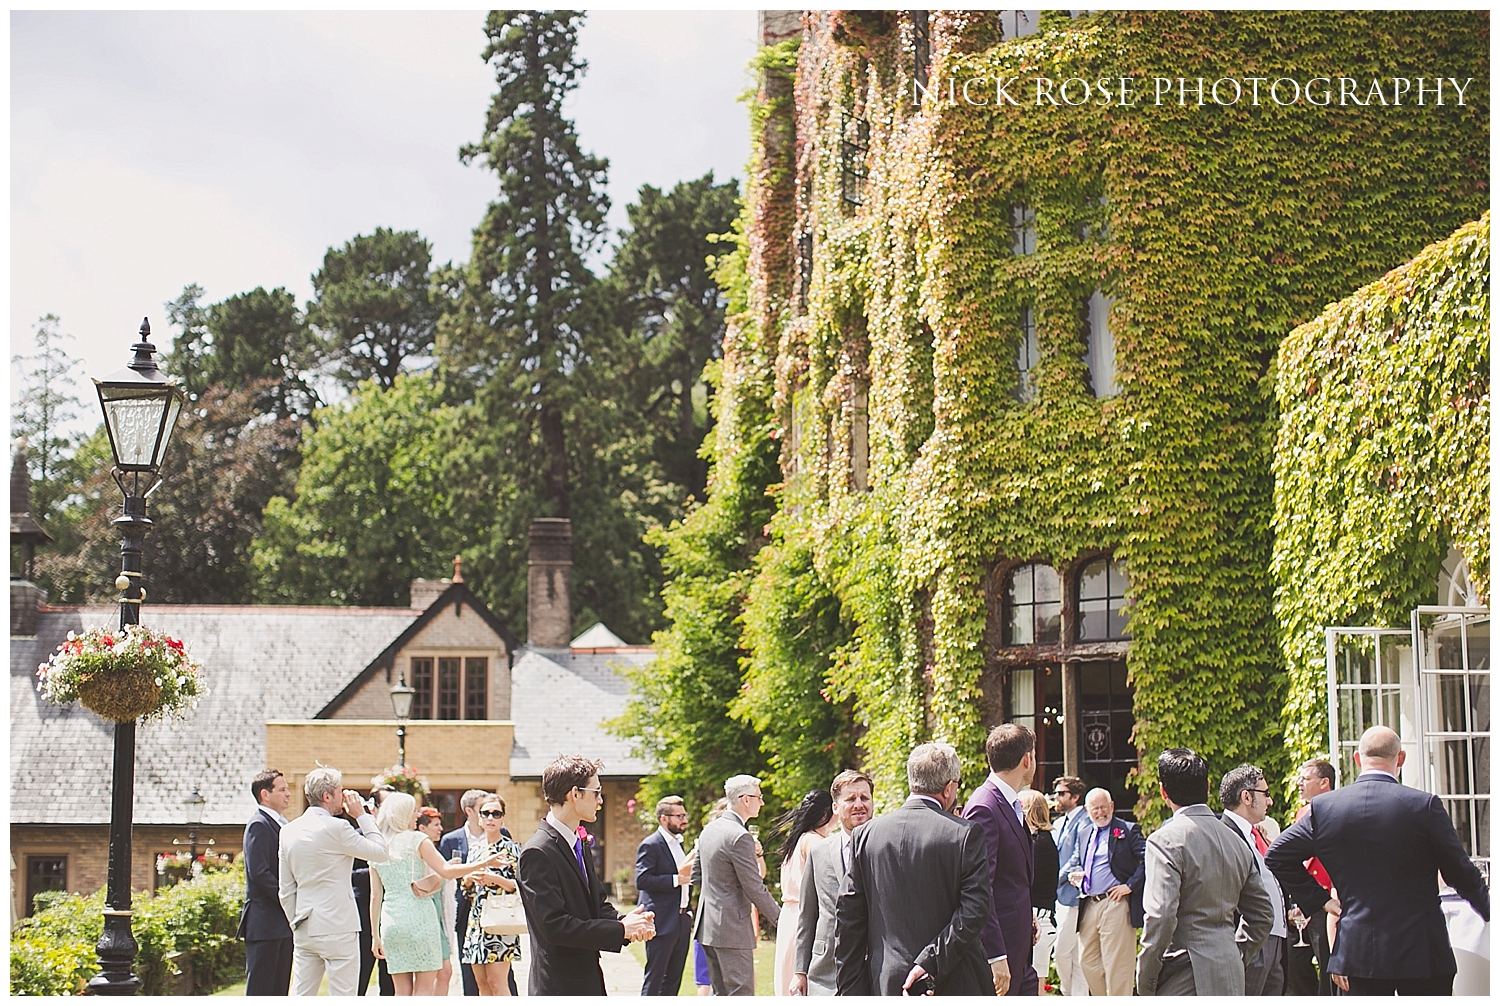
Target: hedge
(188, 927)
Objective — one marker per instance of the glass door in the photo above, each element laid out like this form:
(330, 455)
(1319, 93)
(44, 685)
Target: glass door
(1371, 682)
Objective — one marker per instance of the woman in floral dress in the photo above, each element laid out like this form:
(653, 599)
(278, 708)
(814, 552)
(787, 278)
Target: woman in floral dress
(488, 954)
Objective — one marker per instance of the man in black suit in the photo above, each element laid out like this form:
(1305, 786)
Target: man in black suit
(263, 925)
(568, 913)
(457, 841)
(917, 893)
(1383, 845)
(662, 875)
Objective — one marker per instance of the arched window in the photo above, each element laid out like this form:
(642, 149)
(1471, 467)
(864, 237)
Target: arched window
(1035, 598)
(1101, 595)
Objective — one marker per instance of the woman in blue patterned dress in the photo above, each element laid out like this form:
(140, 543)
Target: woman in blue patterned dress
(405, 930)
(490, 955)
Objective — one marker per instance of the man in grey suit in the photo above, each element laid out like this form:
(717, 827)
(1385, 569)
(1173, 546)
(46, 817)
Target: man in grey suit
(815, 973)
(917, 896)
(1246, 797)
(726, 871)
(1198, 873)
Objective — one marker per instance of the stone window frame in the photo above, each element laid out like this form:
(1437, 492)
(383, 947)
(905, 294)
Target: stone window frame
(37, 857)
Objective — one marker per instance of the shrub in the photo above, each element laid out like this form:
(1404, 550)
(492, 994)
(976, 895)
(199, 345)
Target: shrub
(52, 953)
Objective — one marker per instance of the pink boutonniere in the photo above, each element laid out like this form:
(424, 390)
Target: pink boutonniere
(584, 836)
(1118, 833)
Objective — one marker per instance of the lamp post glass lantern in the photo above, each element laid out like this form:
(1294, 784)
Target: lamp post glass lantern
(194, 805)
(140, 409)
(401, 696)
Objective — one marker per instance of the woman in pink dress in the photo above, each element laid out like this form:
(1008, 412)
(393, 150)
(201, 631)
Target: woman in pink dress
(808, 824)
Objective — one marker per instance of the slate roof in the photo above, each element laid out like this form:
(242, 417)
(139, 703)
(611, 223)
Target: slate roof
(559, 702)
(262, 662)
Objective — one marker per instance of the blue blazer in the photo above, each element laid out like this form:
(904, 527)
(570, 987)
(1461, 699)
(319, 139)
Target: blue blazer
(654, 871)
(262, 917)
(1127, 861)
(1067, 844)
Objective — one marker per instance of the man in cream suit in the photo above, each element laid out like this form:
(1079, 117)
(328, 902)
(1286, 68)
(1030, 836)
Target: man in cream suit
(726, 871)
(318, 852)
(1198, 873)
(815, 969)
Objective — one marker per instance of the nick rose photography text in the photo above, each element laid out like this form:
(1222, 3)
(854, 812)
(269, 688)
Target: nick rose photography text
(1130, 92)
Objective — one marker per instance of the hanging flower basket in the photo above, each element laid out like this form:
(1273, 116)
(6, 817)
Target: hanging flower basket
(123, 674)
(402, 780)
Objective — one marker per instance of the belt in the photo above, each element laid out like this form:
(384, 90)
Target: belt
(1095, 897)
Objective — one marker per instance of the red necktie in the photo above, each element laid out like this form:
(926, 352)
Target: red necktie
(1260, 842)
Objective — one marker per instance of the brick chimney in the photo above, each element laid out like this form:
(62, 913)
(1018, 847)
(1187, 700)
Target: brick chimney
(549, 569)
(25, 598)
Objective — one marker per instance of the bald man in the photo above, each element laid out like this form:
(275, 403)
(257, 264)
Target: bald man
(1383, 844)
(1108, 866)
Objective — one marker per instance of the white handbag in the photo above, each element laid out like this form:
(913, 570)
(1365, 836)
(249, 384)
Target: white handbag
(502, 914)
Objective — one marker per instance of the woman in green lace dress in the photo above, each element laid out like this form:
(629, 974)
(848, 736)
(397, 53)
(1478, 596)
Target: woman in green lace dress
(491, 955)
(405, 929)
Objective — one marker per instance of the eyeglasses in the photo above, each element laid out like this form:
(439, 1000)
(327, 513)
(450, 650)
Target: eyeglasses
(492, 813)
(597, 791)
(675, 817)
(1262, 792)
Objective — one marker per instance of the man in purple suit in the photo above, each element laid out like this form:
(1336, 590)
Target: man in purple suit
(1010, 931)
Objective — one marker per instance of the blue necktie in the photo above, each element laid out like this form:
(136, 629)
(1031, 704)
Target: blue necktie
(578, 851)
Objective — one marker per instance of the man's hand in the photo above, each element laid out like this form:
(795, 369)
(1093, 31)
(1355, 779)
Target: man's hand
(1000, 973)
(1340, 981)
(685, 871)
(799, 985)
(1333, 908)
(1118, 892)
(639, 924)
(353, 805)
(917, 971)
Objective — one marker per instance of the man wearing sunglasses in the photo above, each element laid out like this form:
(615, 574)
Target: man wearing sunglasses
(1247, 799)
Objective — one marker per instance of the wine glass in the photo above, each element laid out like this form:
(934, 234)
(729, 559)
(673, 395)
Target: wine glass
(1300, 921)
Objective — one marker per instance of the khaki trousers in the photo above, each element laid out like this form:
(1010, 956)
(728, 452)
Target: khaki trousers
(1106, 942)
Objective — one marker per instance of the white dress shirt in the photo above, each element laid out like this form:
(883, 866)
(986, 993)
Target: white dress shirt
(1278, 905)
(674, 843)
(1011, 798)
(564, 831)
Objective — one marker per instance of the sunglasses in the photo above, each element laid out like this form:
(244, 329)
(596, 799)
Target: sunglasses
(492, 813)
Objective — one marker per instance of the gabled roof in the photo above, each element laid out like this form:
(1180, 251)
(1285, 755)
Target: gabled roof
(598, 637)
(457, 593)
(560, 700)
(261, 662)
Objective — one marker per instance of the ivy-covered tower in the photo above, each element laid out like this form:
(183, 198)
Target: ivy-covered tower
(1024, 369)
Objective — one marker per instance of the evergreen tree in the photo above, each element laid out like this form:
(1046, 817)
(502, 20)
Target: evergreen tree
(373, 306)
(47, 403)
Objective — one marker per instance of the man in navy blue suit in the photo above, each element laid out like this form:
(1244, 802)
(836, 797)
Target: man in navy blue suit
(457, 841)
(1383, 845)
(1010, 930)
(662, 872)
(263, 925)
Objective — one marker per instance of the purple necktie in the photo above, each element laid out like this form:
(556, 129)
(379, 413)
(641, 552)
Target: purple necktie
(578, 851)
(1088, 865)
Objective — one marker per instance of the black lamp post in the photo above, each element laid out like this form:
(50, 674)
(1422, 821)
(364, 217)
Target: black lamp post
(194, 805)
(401, 696)
(140, 411)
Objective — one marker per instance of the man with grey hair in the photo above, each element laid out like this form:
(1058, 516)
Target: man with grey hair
(318, 852)
(1247, 799)
(917, 894)
(726, 870)
(1383, 845)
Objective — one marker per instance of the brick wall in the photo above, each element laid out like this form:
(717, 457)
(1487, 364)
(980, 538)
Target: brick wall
(87, 849)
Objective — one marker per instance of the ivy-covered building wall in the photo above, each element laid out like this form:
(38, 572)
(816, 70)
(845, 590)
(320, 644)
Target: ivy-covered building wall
(1017, 365)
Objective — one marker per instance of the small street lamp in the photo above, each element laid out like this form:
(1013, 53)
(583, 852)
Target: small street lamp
(194, 805)
(140, 411)
(401, 696)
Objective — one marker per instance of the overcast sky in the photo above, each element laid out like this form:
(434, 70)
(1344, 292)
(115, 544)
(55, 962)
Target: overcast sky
(153, 150)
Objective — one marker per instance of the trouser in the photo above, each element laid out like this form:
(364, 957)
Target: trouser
(1263, 975)
(1065, 953)
(1046, 929)
(366, 953)
(731, 970)
(666, 957)
(335, 953)
(1106, 941)
(1401, 986)
(268, 967)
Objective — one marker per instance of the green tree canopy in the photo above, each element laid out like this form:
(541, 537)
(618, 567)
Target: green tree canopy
(47, 402)
(373, 305)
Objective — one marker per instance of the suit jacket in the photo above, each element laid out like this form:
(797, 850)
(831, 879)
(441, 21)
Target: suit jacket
(821, 882)
(1197, 875)
(318, 852)
(1127, 861)
(655, 871)
(729, 881)
(262, 917)
(1383, 844)
(917, 892)
(1066, 834)
(570, 920)
(1012, 863)
(457, 841)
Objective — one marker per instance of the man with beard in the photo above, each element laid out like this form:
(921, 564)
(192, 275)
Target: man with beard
(827, 864)
(662, 876)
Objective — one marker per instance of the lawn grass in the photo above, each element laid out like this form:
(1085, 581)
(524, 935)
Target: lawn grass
(765, 966)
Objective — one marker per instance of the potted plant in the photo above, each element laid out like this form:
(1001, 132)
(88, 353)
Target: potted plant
(123, 674)
(403, 780)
